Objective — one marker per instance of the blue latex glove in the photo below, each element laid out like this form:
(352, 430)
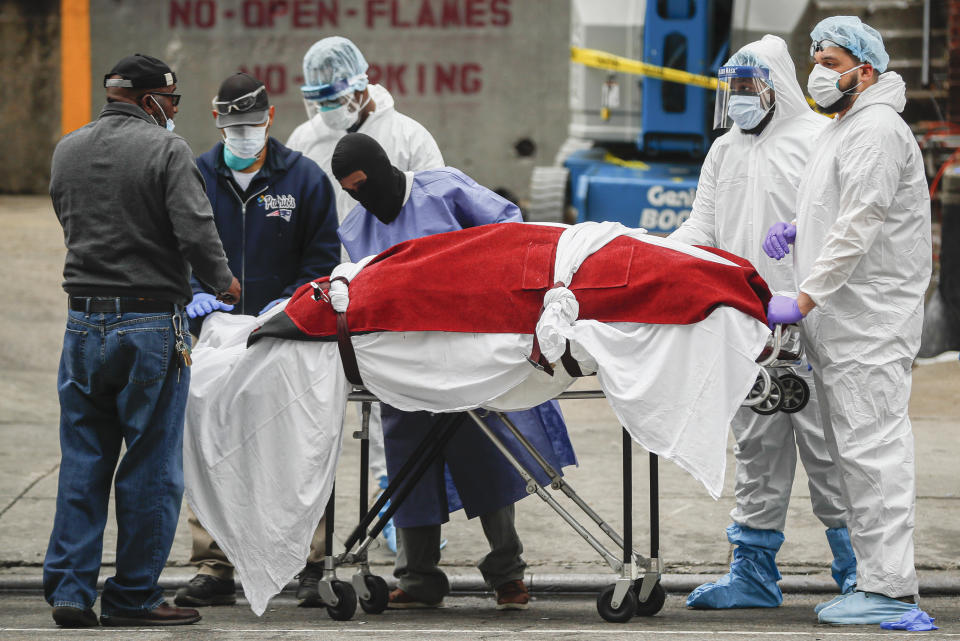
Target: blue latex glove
(270, 304)
(915, 620)
(204, 303)
(779, 238)
(783, 310)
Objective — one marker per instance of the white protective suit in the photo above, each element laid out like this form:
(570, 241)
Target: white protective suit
(409, 146)
(748, 182)
(863, 255)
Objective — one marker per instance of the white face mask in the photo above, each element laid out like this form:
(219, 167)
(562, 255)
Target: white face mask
(746, 111)
(345, 116)
(245, 141)
(823, 85)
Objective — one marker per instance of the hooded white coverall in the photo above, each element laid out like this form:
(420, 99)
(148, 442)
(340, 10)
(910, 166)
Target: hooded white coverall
(863, 255)
(748, 182)
(409, 146)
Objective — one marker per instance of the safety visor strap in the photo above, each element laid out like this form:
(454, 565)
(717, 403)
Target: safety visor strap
(152, 82)
(332, 90)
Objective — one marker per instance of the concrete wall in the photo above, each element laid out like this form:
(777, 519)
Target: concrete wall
(29, 93)
(481, 75)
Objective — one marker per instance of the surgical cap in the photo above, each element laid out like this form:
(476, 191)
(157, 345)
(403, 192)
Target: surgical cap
(335, 59)
(863, 41)
(747, 58)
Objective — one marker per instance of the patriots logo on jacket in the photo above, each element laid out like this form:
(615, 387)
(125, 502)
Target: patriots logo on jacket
(282, 206)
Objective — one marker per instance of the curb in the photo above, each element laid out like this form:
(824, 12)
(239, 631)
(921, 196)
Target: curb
(947, 584)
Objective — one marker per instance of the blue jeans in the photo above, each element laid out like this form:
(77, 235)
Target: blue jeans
(121, 381)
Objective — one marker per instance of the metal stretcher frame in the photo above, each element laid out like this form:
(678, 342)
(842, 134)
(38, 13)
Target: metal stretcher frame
(636, 592)
(631, 595)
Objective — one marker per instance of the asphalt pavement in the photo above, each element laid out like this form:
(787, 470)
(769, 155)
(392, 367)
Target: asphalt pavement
(564, 573)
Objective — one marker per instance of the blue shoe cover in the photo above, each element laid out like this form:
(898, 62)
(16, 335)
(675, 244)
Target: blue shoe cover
(827, 604)
(865, 607)
(753, 576)
(389, 532)
(913, 621)
(844, 566)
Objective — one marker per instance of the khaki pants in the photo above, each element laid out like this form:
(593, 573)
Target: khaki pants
(210, 559)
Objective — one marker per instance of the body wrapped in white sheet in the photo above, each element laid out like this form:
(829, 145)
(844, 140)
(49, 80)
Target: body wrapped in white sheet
(264, 423)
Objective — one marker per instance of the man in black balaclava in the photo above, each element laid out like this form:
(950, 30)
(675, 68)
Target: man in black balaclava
(363, 169)
(396, 206)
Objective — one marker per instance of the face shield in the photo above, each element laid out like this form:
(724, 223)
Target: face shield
(744, 96)
(333, 103)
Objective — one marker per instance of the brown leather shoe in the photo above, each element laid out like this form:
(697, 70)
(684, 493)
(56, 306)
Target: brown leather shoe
(513, 595)
(163, 614)
(69, 617)
(400, 600)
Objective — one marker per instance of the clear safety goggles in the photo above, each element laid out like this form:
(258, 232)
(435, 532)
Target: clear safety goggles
(819, 45)
(753, 82)
(241, 104)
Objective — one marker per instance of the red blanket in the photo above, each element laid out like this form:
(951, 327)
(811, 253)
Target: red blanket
(492, 279)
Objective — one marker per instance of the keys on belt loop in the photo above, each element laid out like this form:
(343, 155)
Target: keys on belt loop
(181, 343)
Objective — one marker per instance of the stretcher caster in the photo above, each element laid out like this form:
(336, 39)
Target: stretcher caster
(379, 594)
(771, 403)
(654, 602)
(346, 601)
(796, 393)
(622, 614)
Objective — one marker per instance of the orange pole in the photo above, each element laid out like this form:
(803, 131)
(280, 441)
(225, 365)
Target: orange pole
(75, 78)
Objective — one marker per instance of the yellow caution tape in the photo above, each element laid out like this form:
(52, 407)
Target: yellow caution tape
(632, 164)
(603, 60)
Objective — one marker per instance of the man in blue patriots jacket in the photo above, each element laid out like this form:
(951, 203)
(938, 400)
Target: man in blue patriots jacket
(275, 208)
(276, 214)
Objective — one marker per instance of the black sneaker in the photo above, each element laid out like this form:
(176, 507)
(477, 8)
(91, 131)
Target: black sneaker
(307, 593)
(69, 617)
(204, 589)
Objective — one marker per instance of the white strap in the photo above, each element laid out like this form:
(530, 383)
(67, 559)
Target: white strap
(339, 295)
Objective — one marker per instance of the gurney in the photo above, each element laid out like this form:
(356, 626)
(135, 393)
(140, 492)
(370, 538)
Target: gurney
(674, 371)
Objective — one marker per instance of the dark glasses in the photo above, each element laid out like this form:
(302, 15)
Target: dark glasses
(174, 97)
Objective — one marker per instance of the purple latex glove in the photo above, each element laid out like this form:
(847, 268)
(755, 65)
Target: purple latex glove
(783, 310)
(778, 240)
(915, 620)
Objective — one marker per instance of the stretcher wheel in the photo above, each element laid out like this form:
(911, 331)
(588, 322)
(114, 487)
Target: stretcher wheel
(771, 403)
(654, 602)
(796, 393)
(622, 614)
(347, 605)
(379, 595)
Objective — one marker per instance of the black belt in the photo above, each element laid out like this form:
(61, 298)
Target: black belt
(109, 305)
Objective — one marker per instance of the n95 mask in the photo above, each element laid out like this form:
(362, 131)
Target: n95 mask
(823, 85)
(245, 141)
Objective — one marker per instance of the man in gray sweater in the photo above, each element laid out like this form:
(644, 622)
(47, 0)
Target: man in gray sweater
(135, 220)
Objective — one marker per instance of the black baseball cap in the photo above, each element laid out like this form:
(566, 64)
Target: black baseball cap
(140, 72)
(241, 100)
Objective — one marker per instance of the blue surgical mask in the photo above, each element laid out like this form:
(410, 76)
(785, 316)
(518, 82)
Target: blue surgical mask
(746, 111)
(236, 162)
(170, 124)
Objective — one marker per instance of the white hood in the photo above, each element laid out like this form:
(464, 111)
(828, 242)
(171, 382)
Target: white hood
(772, 50)
(889, 90)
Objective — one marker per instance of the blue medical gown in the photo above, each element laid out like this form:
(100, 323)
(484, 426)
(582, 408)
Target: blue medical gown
(443, 200)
